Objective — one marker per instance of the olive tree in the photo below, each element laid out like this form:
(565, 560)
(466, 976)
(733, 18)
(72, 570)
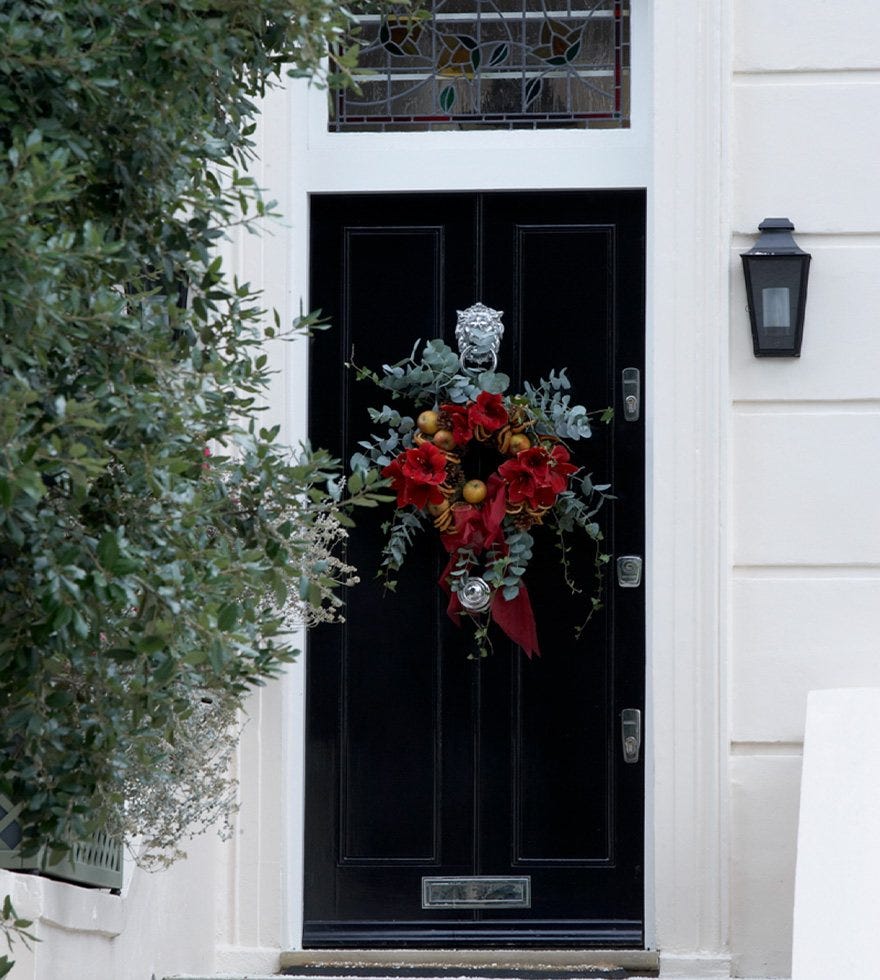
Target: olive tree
(156, 542)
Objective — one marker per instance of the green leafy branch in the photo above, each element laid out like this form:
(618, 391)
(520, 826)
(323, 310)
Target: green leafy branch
(577, 510)
(400, 530)
(436, 376)
(137, 576)
(553, 411)
(505, 571)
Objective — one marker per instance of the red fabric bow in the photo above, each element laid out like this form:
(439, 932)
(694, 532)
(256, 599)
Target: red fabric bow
(479, 528)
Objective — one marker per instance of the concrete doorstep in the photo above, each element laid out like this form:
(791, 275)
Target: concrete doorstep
(541, 962)
(459, 965)
(588, 973)
(440, 964)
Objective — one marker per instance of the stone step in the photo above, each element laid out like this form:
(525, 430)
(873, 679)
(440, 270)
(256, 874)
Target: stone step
(456, 973)
(421, 973)
(439, 964)
(591, 973)
(525, 963)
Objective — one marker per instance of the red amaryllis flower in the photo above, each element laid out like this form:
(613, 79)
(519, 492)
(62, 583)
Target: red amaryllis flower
(536, 460)
(488, 411)
(560, 468)
(520, 480)
(416, 474)
(536, 476)
(424, 464)
(462, 430)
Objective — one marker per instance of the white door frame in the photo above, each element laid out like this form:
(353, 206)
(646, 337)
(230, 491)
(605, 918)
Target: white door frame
(677, 149)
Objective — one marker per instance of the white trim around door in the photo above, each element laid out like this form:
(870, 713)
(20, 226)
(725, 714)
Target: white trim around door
(677, 149)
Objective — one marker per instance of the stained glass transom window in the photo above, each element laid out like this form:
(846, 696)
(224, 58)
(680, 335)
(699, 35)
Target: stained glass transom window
(502, 64)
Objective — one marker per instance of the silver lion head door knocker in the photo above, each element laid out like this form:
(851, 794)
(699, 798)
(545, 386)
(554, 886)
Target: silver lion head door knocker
(478, 333)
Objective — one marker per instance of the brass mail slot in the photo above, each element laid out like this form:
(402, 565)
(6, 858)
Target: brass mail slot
(477, 893)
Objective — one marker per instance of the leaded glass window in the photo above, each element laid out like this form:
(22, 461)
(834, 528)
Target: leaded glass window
(498, 64)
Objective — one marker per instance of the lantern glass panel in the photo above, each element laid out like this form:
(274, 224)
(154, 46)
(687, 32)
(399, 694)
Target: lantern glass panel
(776, 291)
(776, 304)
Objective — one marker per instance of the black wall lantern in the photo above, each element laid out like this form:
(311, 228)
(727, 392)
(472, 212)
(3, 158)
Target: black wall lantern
(776, 272)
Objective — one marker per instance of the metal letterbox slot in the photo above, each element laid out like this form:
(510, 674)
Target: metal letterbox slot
(479, 892)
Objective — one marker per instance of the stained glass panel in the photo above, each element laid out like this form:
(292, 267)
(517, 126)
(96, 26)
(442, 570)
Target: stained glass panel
(497, 64)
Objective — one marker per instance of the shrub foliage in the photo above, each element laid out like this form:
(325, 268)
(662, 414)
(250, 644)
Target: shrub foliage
(139, 577)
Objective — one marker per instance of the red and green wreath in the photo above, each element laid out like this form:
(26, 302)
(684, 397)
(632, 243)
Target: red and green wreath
(485, 525)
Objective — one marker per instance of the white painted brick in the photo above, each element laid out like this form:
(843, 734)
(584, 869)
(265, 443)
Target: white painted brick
(763, 839)
(793, 635)
(841, 354)
(804, 488)
(806, 151)
(821, 34)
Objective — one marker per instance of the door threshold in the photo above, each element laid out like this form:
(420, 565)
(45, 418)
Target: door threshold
(559, 960)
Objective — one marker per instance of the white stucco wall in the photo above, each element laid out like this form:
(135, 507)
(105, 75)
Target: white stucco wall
(805, 526)
(218, 911)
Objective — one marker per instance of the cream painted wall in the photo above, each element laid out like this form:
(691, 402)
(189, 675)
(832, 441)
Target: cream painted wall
(805, 530)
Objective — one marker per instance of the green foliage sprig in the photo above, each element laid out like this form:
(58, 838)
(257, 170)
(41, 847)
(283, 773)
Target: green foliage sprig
(553, 410)
(400, 530)
(435, 375)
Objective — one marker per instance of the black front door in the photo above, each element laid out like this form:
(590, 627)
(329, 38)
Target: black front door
(421, 762)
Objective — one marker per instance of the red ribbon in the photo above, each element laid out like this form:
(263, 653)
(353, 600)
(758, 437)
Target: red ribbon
(479, 529)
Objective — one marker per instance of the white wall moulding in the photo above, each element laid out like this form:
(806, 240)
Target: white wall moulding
(770, 116)
(763, 842)
(791, 504)
(845, 41)
(689, 424)
(788, 640)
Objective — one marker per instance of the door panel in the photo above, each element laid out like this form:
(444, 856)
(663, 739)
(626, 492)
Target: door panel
(421, 762)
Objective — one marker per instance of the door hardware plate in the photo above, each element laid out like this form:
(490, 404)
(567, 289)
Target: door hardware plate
(631, 734)
(629, 571)
(632, 394)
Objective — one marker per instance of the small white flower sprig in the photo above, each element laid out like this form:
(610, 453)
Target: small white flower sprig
(422, 454)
